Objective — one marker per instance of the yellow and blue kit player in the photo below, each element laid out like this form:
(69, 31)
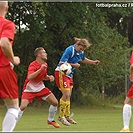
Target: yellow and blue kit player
(72, 55)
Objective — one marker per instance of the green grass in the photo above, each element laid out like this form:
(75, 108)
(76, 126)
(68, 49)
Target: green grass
(104, 119)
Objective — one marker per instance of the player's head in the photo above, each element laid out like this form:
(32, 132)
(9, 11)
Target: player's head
(3, 8)
(81, 44)
(40, 53)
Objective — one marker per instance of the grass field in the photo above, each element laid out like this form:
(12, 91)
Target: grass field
(89, 119)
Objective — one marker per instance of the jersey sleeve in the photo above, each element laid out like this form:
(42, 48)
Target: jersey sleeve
(31, 69)
(8, 31)
(66, 55)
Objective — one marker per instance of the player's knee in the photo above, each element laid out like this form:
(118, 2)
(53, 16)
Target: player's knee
(68, 96)
(128, 101)
(55, 103)
(24, 104)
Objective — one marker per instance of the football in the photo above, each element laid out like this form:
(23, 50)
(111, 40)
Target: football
(66, 68)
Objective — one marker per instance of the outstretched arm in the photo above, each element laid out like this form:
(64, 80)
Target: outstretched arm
(88, 61)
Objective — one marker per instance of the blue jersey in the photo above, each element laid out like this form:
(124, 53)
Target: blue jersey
(70, 55)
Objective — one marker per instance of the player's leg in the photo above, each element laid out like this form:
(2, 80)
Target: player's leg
(68, 103)
(63, 106)
(11, 116)
(127, 114)
(127, 109)
(51, 99)
(53, 106)
(9, 93)
(67, 111)
(65, 102)
(23, 106)
(63, 83)
(27, 97)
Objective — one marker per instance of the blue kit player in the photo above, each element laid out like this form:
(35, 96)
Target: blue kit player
(72, 55)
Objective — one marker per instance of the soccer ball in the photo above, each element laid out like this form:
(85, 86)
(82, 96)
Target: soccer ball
(66, 68)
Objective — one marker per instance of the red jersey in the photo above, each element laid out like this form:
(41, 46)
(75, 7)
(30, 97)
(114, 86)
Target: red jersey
(7, 29)
(131, 59)
(35, 84)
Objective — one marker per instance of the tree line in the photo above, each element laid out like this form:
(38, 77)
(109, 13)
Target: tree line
(53, 25)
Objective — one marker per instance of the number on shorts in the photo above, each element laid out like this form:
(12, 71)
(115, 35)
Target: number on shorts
(65, 84)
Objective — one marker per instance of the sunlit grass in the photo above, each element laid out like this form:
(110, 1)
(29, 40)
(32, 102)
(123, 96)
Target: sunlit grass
(89, 119)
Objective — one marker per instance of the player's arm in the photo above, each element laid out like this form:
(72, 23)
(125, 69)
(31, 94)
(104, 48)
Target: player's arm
(131, 69)
(49, 77)
(8, 51)
(34, 74)
(88, 61)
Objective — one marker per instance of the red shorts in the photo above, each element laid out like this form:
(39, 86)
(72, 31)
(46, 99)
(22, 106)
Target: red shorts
(63, 82)
(130, 92)
(8, 83)
(38, 95)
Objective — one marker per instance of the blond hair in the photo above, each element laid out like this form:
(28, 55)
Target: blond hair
(37, 51)
(83, 42)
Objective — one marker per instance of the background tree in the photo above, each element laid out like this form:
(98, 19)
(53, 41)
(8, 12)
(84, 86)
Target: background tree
(53, 25)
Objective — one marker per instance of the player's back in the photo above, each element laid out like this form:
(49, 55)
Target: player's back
(7, 29)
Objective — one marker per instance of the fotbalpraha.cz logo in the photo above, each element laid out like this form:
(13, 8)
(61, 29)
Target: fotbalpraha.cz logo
(109, 5)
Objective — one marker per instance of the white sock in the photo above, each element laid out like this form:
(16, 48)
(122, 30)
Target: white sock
(10, 120)
(52, 112)
(126, 115)
(20, 113)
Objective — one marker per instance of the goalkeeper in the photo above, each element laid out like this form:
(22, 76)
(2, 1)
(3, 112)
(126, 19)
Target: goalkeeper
(73, 55)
